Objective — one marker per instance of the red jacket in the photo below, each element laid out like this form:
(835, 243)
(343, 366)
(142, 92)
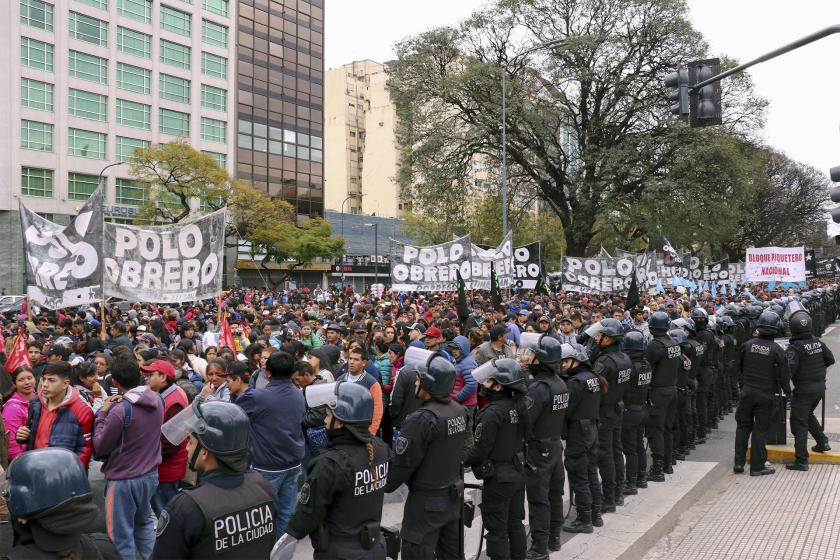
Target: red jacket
(69, 426)
(173, 467)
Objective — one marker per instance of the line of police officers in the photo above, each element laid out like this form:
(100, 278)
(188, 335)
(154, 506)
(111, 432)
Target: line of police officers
(602, 399)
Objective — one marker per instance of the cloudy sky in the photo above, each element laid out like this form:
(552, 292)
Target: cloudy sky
(802, 86)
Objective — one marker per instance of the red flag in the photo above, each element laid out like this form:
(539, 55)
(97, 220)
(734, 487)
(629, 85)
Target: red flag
(249, 296)
(225, 334)
(19, 355)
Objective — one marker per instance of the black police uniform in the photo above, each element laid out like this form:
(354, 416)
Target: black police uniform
(694, 351)
(549, 400)
(730, 368)
(428, 458)
(665, 357)
(682, 404)
(764, 369)
(582, 436)
(706, 381)
(807, 357)
(498, 457)
(231, 515)
(633, 421)
(340, 504)
(616, 368)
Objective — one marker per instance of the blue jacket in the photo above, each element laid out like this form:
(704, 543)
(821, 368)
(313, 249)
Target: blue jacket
(463, 367)
(275, 441)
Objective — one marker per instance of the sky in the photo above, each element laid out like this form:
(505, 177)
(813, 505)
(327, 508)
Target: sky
(802, 86)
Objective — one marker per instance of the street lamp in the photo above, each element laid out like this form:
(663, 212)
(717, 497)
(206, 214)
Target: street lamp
(548, 45)
(101, 173)
(349, 196)
(375, 250)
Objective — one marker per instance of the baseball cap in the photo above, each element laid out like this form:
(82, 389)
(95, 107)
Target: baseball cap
(524, 312)
(418, 327)
(498, 330)
(566, 319)
(59, 350)
(433, 332)
(160, 366)
(359, 327)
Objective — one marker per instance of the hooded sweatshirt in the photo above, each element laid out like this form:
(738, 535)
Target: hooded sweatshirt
(69, 425)
(15, 413)
(464, 390)
(134, 449)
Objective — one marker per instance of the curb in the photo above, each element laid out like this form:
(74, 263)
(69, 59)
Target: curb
(785, 454)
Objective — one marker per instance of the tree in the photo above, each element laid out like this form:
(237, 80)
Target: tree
(587, 122)
(178, 179)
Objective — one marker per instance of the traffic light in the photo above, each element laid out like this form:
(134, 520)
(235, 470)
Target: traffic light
(835, 193)
(677, 84)
(705, 105)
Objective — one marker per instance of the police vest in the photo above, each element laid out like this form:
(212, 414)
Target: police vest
(730, 351)
(441, 466)
(710, 348)
(588, 397)
(239, 522)
(617, 368)
(509, 440)
(549, 424)
(695, 352)
(360, 502)
(759, 370)
(665, 370)
(687, 365)
(635, 394)
(810, 377)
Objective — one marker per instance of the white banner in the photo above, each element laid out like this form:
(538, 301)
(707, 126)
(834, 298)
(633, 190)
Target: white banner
(500, 257)
(430, 269)
(775, 264)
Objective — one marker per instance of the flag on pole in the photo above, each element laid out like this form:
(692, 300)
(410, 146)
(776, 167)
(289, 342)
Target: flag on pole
(495, 295)
(463, 306)
(19, 356)
(669, 256)
(632, 293)
(225, 334)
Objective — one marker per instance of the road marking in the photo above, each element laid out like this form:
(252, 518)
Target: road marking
(829, 329)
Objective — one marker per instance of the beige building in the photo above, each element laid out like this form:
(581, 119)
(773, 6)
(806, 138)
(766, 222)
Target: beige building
(361, 152)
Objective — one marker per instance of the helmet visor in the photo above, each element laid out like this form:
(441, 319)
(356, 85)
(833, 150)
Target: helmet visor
(417, 356)
(484, 372)
(793, 307)
(322, 394)
(594, 329)
(177, 428)
(529, 340)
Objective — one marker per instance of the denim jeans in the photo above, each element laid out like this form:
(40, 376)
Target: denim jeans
(284, 484)
(128, 514)
(165, 492)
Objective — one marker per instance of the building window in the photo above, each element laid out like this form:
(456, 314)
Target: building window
(174, 88)
(36, 13)
(36, 54)
(137, 115)
(174, 54)
(175, 21)
(218, 7)
(141, 10)
(88, 29)
(134, 78)
(36, 182)
(213, 33)
(130, 192)
(88, 67)
(86, 143)
(134, 42)
(87, 105)
(174, 123)
(81, 186)
(126, 147)
(213, 130)
(214, 66)
(36, 95)
(213, 97)
(221, 159)
(316, 156)
(101, 4)
(36, 136)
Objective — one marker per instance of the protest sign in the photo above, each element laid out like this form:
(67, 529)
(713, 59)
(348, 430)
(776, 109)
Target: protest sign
(717, 272)
(63, 263)
(432, 268)
(527, 266)
(165, 264)
(501, 259)
(607, 275)
(775, 264)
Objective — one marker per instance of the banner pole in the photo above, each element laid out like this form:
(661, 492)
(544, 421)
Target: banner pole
(102, 332)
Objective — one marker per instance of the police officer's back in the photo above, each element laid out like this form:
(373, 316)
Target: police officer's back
(231, 513)
(635, 412)
(429, 459)
(340, 504)
(49, 490)
(665, 357)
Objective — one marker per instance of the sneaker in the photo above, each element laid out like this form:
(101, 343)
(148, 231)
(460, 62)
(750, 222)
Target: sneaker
(796, 466)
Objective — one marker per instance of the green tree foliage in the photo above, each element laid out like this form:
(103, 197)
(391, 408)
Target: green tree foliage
(587, 124)
(178, 178)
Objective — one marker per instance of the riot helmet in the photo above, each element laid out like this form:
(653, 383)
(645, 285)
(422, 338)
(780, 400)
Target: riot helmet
(700, 317)
(548, 350)
(349, 402)
(44, 479)
(505, 371)
(801, 323)
(685, 323)
(659, 322)
(220, 427)
(612, 328)
(634, 341)
(438, 377)
(678, 336)
(769, 322)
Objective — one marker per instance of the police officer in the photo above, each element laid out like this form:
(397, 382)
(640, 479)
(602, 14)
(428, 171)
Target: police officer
(682, 416)
(549, 399)
(764, 369)
(807, 357)
(613, 365)
(51, 505)
(665, 359)
(730, 361)
(340, 504)
(693, 351)
(428, 458)
(635, 410)
(707, 374)
(231, 514)
(582, 437)
(498, 457)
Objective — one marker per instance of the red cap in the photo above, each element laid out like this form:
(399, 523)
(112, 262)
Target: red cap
(433, 332)
(160, 366)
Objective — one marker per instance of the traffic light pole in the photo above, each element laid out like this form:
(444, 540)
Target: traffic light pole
(772, 54)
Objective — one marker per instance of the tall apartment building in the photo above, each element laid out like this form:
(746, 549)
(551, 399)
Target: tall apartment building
(361, 165)
(87, 81)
